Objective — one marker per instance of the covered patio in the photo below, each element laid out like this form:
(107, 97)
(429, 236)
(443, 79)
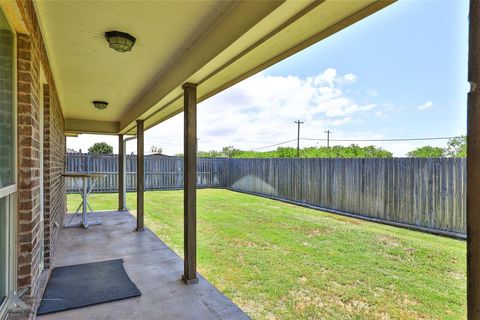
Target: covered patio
(181, 54)
(178, 55)
(145, 258)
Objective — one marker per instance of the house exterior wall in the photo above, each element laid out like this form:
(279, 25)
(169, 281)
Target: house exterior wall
(28, 163)
(54, 167)
(35, 80)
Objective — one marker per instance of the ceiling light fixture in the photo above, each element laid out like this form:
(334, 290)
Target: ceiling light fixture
(120, 41)
(100, 105)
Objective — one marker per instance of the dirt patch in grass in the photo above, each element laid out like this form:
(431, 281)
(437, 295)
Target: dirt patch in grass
(456, 275)
(348, 220)
(318, 232)
(388, 241)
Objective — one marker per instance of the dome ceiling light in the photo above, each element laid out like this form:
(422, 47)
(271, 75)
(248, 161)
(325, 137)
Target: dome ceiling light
(100, 105)
(120, 41)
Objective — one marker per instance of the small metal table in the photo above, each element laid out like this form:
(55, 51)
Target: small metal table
(88, 182)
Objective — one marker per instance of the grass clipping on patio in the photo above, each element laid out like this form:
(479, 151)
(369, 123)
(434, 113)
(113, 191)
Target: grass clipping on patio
(281, 261)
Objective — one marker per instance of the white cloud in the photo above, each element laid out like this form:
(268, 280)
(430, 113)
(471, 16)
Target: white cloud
(349, 78)
(426, 105)
(327, 77)
(260, 111)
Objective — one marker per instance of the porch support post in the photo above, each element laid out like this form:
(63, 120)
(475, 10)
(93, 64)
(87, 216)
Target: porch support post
(190, 183)
(140, 175)
(121, 173)
(473, 164)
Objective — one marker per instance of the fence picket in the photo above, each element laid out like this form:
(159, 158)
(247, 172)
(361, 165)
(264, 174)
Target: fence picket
(427, 193)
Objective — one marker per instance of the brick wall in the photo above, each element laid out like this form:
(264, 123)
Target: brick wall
(28, 123)
(54, 167)
(31, 59)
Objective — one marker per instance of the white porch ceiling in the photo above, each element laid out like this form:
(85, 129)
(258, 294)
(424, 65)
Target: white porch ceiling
(212, 43)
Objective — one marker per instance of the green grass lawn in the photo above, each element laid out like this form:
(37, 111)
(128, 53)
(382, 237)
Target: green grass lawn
(281, 261)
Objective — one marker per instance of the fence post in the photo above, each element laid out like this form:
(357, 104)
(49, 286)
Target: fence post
(121, 174)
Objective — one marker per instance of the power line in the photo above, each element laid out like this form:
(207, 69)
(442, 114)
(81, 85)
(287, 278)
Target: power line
(274, 145)
(380, 140)
(360, 125)
(358, 140)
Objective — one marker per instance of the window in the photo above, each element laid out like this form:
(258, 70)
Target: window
(7, 163)
(7, 110)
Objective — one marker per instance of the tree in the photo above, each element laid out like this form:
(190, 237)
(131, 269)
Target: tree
(427, 152)
(352, 151)
(287, 152)
(156, 150)
(457, 147)
(230, 151)
(101, 148)
(209, 154)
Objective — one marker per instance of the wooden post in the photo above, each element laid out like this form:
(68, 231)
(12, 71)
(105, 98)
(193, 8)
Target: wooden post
(121, 173)
(190, 183)
(473, 165)
(140, 175)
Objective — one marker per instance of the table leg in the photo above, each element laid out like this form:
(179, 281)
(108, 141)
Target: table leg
(84, 190)
(91, 185)
(84, 204)
(80, 192)
(79, 189)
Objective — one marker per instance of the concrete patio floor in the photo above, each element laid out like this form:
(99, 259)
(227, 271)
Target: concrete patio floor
(152, 266)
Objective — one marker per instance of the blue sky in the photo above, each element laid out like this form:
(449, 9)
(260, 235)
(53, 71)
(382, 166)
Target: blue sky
(409, 53)
(400, 73)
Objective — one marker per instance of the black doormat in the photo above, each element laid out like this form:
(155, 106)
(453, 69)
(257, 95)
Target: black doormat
(87, 284)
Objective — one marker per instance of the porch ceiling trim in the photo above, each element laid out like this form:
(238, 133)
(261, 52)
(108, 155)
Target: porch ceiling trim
(12, 11)
(89, 126)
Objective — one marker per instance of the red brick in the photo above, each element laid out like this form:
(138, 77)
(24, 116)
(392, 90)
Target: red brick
(24, 281)
(25, 269)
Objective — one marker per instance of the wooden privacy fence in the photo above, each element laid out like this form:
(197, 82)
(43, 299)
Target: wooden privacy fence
(161, 172)
(423, 193)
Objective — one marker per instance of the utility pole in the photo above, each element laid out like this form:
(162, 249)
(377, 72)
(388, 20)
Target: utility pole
(298, 122)
(328, 138)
